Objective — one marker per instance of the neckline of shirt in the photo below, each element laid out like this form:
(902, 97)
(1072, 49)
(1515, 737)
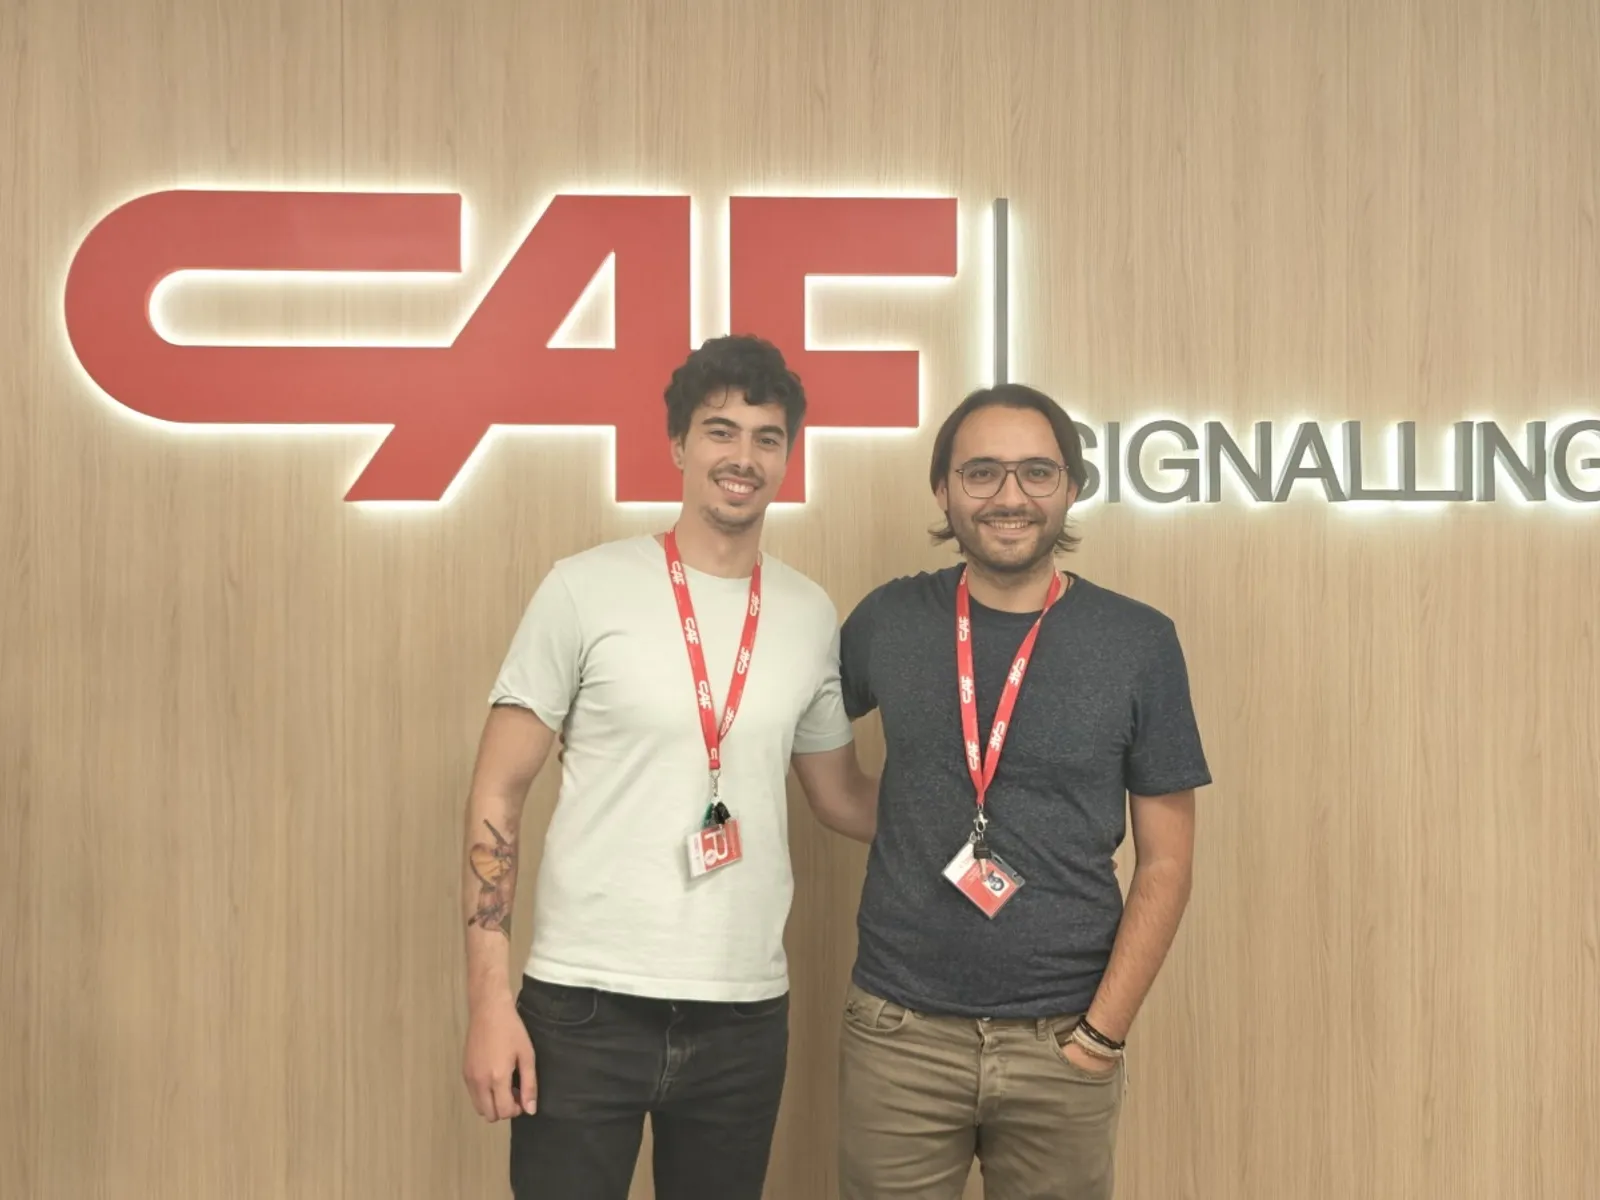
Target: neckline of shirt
(650, 546)
(980, 609)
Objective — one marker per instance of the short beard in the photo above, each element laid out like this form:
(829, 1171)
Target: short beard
(974, 555)
(729, 525)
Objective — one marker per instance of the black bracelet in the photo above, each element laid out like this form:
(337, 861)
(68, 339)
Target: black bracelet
(1097, 1036)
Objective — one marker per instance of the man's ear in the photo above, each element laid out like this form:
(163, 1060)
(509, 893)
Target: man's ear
(677, 452)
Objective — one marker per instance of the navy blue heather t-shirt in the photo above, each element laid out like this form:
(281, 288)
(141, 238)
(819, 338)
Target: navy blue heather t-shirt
(1104, 710)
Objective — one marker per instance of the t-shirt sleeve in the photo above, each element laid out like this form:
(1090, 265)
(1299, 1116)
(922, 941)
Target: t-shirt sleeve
(855, 658)
(543, 665)
(823, 725)
(1165, 754)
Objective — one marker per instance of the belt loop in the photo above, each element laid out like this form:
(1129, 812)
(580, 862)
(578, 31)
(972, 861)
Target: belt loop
(1042, 1029)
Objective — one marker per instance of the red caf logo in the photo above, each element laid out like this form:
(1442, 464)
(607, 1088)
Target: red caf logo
(499, 370)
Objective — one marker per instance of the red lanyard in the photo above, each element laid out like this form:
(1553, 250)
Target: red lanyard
(697, 659)
(983, 768)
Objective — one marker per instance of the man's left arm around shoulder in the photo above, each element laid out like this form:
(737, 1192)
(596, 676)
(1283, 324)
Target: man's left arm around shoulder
(842, 796)
(1163, 838)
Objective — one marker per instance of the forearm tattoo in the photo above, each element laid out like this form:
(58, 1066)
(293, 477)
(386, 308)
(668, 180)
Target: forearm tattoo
(495, 865)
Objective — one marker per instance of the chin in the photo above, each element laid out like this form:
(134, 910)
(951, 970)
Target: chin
(1007, 566)
(1008, 559)
(733, 520)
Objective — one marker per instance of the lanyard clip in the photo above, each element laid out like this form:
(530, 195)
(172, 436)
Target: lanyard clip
(717, 812)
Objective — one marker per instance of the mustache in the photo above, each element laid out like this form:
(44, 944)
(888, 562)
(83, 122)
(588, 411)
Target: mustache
(752, 477)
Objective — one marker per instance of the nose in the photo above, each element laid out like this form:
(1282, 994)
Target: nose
(1011, 494)
(744, 453)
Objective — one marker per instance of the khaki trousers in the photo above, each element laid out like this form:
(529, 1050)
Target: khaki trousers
(919, 1096)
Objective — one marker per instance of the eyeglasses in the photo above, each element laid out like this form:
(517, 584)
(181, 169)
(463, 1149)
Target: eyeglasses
(982, 478)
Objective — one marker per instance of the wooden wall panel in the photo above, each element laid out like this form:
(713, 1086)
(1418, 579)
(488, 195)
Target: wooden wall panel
(237, 715)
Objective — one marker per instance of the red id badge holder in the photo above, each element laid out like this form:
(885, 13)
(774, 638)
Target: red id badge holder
(716, 843)
(982, 876)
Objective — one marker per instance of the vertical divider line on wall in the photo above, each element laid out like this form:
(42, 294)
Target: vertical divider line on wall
(1002, 289)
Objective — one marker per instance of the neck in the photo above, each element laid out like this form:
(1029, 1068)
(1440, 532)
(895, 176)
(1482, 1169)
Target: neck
(1022, 591)
(708, 549)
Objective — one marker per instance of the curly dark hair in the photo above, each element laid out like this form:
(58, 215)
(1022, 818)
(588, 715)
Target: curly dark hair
(1009, 395)
(738, 362)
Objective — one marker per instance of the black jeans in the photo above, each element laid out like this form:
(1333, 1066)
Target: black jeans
(710, 1076)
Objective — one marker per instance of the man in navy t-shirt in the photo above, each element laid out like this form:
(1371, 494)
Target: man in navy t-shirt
(999, 972)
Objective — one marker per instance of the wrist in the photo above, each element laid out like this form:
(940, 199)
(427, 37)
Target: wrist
(488, 989)
(1096, 1036)
(1101, 1019)
(1091, 1048)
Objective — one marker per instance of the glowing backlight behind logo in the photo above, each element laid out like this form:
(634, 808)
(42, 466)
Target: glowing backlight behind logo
(512, 361)
(500, 368)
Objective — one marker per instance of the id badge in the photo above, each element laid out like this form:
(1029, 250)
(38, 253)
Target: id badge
(713, 847)
(990, 889)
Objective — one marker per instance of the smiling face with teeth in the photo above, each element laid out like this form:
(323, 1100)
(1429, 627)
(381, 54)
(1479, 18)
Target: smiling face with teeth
(1012, 532)
(733, 457)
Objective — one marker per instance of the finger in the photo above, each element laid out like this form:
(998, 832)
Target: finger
(474, 1091)
(505, 1105)
(530, 1083)
(483, 1101)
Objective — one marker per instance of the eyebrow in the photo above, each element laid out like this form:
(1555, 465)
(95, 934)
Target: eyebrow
(1008, 462)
